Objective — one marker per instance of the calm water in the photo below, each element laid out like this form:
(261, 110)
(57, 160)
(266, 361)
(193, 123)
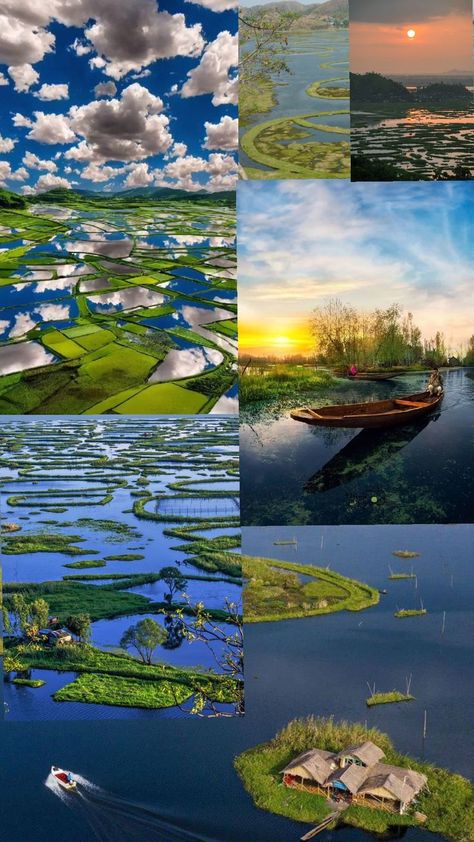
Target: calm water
(294, 473)
(182, 769)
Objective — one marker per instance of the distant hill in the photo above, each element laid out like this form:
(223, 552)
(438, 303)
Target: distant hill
(11, 200)
(60, 195)
(372, 87)
(305, 17)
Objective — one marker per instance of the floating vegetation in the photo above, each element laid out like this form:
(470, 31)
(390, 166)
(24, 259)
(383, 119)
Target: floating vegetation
(405, 554)
(388, 698)
(410, 612)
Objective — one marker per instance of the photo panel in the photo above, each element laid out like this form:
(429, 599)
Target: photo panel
(412, 90)
(122, 577)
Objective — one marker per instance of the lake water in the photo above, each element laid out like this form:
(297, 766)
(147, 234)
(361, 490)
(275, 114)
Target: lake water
(295, 473)
(198, 796)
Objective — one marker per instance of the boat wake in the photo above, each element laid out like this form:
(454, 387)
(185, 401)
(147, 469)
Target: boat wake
(112, 818)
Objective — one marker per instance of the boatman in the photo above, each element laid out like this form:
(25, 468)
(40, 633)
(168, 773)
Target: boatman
(435, 383)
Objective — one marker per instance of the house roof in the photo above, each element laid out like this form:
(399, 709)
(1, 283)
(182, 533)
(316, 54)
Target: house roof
(351, 776)
(316, 763)
(403, 784)
(367, 752)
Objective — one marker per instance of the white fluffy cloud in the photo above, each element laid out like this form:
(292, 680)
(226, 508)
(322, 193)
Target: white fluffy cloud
(19, 120)
(215, 5)
(105, 89)
(51, 128)
(52, 92)
(127, 129)
(34, 163)
(47, 181)
(3, 80)
(24, 76)
(213, 73)
(7, 174)
(222, 135)
(22, 40)
(98, 174)
(139, 176)
(6, 144)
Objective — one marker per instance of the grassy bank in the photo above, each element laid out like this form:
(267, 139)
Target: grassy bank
(283, 381)
(275, 591)
(448, 801)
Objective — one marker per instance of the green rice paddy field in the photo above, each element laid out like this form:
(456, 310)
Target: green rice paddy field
(128, 308)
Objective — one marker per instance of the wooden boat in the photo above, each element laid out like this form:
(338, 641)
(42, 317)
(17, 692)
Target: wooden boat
(63, 778)
(387, 413)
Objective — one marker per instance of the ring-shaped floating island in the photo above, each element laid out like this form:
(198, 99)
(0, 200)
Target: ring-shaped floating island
(280, 145)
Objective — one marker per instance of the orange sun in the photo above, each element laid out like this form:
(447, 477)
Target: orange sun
(411, 33)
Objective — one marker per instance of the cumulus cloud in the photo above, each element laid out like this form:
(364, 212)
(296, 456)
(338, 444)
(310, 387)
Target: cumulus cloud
(138, 176)
(51, 128)
(222, 135)
(98, 174)
(127, 129)
(213, 73)
(34, 163)
(6, 144)
(178, 150)
(3, 80)
(48, 181)
(19, 120)
(7, 174)
(105, 89)
(22, 324)
(52, 92)
(22, 40)
(24, 76)
(215, 5)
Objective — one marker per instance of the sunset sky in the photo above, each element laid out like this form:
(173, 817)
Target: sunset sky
(442, 39)
(371, 245)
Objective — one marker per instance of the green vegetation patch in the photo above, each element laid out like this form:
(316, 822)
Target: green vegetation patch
(274, 591)
(43, 542)
(405, 554)
(123, 692)
(29, 682)
(124, 557)
(410, 612)
(388, 698)
(283, 381)
(82, 565)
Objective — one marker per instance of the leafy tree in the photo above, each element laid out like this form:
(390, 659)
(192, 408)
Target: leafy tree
(469, 358)
(12, 664)
(175, 581)
(80, 624)
(39, 611)
(145, 636)
(226, 645)
(20, 612)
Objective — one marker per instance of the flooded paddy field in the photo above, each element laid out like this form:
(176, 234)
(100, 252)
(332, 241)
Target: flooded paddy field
(421, 141)
(304, 132)
(124, 311)
(123, 520)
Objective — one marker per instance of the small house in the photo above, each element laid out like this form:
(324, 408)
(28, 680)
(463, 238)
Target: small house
(56, 637)
(356, 775)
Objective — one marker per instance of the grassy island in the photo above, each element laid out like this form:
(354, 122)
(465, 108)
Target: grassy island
(276, 591)
(410, 612)
(389, 698)
(447, 802)
(405, 554)
(118, 679)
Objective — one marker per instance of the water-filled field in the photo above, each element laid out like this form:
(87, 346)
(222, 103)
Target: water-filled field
(93, 512)
(305, 132)
(128, 311)
(419, 140)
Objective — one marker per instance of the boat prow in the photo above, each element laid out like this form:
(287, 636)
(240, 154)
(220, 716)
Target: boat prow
(64, 778)
(374, 414)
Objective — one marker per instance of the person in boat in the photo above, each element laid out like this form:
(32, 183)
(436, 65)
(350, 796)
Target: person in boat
(353, 370)
(435, 383)
(70, 778)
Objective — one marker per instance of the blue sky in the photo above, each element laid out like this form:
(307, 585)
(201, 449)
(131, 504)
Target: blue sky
(370, 245)
(105, 95)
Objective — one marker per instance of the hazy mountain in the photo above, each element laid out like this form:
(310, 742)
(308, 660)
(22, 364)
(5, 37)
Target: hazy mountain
(60, 195)
(311, 16)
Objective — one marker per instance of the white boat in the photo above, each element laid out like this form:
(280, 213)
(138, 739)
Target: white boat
(63, 778)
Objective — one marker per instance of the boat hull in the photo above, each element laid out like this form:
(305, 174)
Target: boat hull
(373, 415)
(62, 779)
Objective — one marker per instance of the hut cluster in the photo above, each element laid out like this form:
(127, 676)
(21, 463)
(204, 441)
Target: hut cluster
(358, 775)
